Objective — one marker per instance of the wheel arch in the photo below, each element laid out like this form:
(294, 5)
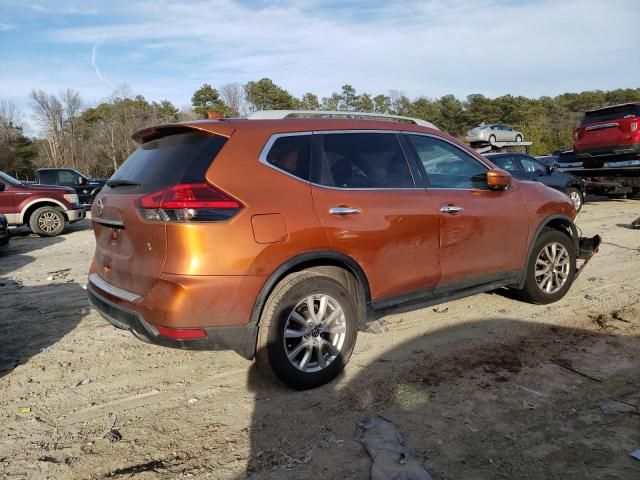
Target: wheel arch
(561, 223)
(325, 261)
(32, 206)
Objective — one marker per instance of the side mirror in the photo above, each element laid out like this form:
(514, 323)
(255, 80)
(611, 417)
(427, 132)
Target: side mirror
(498, 179)
(550, 169)
(2, 187)
(80, 181)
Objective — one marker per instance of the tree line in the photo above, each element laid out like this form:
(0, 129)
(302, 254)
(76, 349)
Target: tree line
(97, 139)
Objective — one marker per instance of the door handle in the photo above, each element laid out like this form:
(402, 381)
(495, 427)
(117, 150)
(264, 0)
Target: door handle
(344, 211)
(451, 209)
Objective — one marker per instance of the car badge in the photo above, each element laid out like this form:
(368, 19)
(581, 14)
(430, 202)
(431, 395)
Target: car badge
(99, 207)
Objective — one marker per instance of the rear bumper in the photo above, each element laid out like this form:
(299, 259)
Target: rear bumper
(221, 306)
(76, 214)
(239, 339)
(608, 151)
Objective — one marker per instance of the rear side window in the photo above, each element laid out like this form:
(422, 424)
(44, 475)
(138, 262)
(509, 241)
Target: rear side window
(364, 160)
(48, 178)
(171, 160)
(292, 153)
(448, 166)
(613, 113)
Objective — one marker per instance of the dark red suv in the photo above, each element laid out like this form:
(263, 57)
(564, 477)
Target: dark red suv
(608, 134)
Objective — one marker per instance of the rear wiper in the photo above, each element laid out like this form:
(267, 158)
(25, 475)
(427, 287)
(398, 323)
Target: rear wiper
(122, 183)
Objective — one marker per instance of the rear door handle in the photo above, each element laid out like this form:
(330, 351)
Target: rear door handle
(451, 209)
(344, 211)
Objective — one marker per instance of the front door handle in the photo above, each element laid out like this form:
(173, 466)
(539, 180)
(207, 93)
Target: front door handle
(344, 211)
(451, 209)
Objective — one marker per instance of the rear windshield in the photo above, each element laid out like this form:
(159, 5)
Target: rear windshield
(613, 113)
(180, 158)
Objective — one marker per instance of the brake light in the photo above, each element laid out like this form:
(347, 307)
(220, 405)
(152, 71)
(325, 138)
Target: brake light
(634, 126)
(576, 135)
(182, 333)
(188, 202)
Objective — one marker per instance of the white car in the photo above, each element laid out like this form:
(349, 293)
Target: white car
(492, 133)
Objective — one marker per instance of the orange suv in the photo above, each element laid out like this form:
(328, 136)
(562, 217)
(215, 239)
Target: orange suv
(279, 237)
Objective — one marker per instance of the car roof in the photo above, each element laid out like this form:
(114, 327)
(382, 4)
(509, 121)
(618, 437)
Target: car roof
(227, 126)
(612, 106)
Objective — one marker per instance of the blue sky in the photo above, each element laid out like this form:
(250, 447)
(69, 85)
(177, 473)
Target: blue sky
(167, 49)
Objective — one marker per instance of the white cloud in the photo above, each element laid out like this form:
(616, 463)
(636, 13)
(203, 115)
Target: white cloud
(430, 48)
(5, 26)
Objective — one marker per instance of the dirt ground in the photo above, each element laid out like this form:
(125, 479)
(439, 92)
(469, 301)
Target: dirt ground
(487, 389)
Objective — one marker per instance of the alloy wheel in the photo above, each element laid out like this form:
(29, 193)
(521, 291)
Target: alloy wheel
(552, 268)
(314, 333)
(49, 222)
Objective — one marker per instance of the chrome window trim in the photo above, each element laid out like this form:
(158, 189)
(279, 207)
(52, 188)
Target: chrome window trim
(272, 139)
(105, 286)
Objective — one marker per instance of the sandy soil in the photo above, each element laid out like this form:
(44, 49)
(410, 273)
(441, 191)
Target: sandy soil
(479, 391)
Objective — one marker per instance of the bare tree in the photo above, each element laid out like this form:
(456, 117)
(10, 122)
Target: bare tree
(9, 120)
(234, 96)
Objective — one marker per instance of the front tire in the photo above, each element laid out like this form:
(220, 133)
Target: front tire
(47, 222)
(576, 198)
(551, 269)
(308, 329)
(492, 140)
(518, 138)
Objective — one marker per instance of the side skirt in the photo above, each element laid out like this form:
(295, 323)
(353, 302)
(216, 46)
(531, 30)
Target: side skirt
(444, 293)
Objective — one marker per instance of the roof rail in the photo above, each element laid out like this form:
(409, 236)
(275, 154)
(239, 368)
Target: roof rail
(282, 114)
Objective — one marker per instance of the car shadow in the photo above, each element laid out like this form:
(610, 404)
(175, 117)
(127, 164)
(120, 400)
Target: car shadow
(16, 254)
(27, 328)
(467, 402)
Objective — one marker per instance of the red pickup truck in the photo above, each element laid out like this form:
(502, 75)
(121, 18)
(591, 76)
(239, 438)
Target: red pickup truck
(47, 209)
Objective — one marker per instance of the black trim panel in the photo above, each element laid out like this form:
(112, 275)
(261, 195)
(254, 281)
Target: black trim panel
(443, 293)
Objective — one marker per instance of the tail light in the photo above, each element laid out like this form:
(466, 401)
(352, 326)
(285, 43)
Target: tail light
(190, 202)
(182, 333)
(576, 134)
(634, 126)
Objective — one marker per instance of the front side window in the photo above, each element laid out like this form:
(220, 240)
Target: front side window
(532, 167)
(448, 166)
(292, 153)
(364, 160)
(67, 177)
(505, 163)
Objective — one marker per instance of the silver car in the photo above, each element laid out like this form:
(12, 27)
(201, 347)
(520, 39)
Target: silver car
(492, 133)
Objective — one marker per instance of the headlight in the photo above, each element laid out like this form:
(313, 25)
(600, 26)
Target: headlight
(71, 198)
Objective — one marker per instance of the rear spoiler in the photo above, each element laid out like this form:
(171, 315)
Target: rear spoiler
(210, 127)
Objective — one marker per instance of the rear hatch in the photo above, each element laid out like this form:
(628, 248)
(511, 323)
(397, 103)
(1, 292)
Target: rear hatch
(131, 244)
(606, 127)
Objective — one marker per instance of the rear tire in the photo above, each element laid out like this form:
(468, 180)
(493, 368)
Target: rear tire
(551, 269)
(305, 349)
(518, 138)
(47, 222)
(576, 198)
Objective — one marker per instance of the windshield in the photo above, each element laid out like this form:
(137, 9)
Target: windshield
(9, 179)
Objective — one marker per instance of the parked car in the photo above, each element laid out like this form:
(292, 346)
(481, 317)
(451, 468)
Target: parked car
(46, 209)
(4, 231)
(525, 167)
(279, 238)
(495, 132)
(86, 188)
(608, 134)
(560, 159)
